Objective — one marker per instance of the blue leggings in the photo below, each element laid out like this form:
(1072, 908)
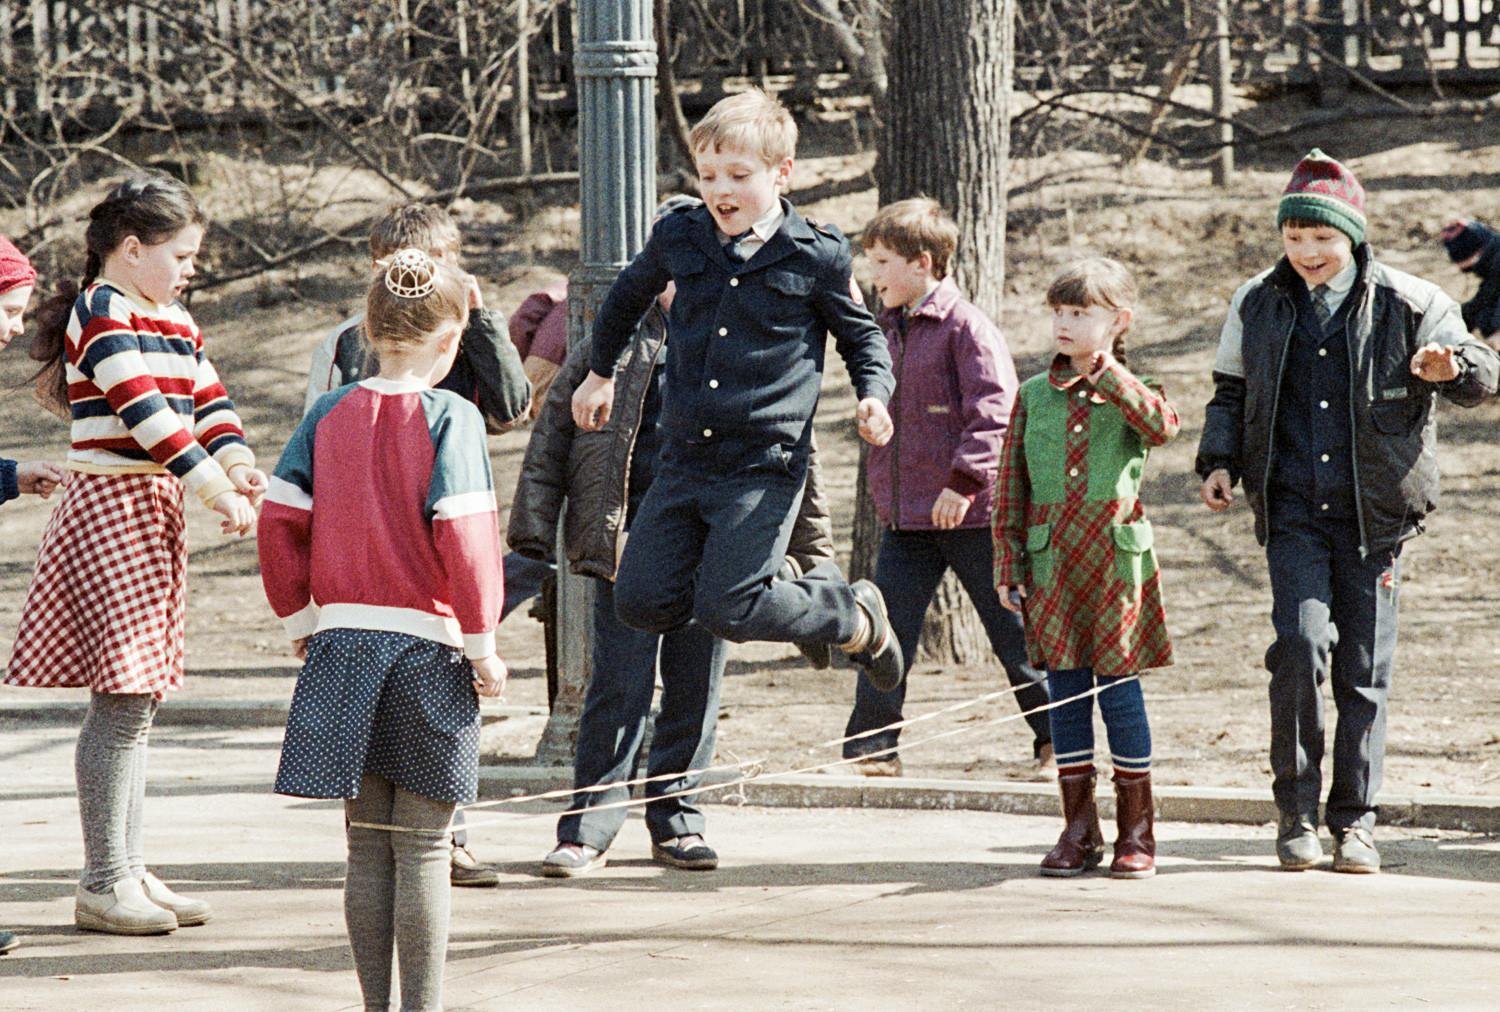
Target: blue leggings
(1124, 709)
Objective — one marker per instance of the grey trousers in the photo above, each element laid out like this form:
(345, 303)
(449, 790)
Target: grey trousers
(1335, 619)
(396, 893)
(110, 767)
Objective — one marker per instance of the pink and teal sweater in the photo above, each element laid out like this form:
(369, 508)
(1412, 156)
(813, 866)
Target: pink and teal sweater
(381, 515)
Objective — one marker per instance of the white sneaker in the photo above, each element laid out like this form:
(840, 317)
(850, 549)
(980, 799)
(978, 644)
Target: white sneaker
(124, 910)
(189, 913)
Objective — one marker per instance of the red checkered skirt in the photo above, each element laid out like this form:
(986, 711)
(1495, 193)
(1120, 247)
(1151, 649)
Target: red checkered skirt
(106, 604)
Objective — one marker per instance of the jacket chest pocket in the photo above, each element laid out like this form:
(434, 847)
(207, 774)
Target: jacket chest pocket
(1135, 557)
(785, 297)
(688, 268)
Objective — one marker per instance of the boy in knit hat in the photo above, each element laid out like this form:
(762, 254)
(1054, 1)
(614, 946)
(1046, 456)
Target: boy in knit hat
(1475, 248)
(1324, 387)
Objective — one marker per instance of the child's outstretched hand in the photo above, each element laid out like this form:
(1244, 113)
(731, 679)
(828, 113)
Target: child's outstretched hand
(250, 482)
(1217, 491)
(592, 402)
(1434, 363)
(949, 510)
(238, 514)
(39, 477)
(1012, 596)
(299, 648)
(490, 676)
(875, 426)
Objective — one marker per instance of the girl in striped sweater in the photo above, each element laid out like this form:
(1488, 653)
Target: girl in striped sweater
(105, 608)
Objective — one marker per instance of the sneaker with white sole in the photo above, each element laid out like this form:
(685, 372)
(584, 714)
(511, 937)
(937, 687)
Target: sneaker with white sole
(189, 912)
(124, 910)
(570, 860)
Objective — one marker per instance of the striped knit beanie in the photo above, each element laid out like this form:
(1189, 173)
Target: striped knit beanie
(1323, 191)
(15, 269)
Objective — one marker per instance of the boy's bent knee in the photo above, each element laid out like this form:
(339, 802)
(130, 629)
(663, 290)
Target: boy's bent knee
(640, 612)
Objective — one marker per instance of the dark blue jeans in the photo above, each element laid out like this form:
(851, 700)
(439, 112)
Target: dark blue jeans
(615, 711)
(706, 544)
(907, 571)
(1334, 614)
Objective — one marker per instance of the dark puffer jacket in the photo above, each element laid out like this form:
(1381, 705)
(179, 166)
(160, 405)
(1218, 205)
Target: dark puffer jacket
(1391, 411)
(591, 470)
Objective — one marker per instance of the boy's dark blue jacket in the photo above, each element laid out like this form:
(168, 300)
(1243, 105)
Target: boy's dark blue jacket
(746, 357)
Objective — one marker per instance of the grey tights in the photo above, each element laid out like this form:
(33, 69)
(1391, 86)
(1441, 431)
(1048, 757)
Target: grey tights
(110, 767)
(396, 893)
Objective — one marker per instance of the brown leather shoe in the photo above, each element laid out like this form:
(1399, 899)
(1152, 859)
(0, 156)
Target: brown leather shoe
(1135, 841)
(1081, 845)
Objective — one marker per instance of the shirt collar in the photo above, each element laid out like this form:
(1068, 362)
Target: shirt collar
(1340, 283)
(764, 227)
(1062, 376)
(381, 385)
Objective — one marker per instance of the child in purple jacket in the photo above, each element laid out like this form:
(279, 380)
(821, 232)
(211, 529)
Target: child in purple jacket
(932, 483)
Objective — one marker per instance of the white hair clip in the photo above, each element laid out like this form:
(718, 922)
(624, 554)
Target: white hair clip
(410, 274)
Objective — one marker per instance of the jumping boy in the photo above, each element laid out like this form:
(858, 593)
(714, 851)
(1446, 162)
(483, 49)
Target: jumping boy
(758, 290)
(1324, 386)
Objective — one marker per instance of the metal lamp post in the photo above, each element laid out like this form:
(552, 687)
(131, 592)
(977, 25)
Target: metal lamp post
(614, 66)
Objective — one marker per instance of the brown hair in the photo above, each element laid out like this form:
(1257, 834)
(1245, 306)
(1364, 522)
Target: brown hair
(913, 227)
(750, 121)
(426, 226)
(396, 319)
(1095, 281)
(153, 208)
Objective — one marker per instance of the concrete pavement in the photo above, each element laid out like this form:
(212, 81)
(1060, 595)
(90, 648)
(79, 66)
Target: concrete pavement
(813, 908)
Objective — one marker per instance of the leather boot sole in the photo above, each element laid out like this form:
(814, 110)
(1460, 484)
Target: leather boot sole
(1089, 864)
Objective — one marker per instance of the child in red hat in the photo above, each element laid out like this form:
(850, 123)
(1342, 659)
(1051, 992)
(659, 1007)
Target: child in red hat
(17, 282)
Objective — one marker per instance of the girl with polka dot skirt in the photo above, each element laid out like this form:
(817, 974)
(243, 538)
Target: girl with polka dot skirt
(380, 552)
(123, 361)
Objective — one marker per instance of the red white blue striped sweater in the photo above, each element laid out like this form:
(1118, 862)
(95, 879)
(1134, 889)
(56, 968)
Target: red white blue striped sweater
(381, 515)
(144, 397)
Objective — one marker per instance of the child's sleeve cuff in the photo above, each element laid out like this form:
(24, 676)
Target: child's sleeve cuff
(478, 646)
(302, 624)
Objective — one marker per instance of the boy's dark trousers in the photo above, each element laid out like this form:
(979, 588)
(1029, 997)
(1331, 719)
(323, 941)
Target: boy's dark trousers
(907, 571)
(615, 711)
(709, 537)
(1334, 615)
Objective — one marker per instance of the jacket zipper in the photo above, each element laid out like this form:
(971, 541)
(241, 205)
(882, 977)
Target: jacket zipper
(1265, 481)
(1359, 510)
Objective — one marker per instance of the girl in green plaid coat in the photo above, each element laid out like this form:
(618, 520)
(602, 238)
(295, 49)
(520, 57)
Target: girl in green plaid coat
(1074, 551)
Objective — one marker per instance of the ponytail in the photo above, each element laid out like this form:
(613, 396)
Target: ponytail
(49, 347)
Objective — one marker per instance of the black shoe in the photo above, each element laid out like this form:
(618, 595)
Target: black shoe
(698, 857)
(881, 659)
(819, 656)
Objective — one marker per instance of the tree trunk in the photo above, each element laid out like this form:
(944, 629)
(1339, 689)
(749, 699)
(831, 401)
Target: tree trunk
(946, 134)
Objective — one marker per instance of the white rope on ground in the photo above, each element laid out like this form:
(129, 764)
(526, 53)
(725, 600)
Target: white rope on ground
(740, 782)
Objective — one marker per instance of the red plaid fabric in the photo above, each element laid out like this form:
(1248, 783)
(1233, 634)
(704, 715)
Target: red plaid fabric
(1088, 616)
(105, 608)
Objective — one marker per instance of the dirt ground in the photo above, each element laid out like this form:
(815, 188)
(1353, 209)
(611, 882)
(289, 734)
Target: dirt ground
(1190, 246)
